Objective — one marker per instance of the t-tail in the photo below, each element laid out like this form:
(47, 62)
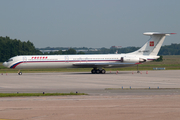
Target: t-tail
(153, 45)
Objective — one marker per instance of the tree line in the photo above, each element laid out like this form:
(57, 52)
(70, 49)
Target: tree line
(10, 48)
(173, 49)
(13, 47)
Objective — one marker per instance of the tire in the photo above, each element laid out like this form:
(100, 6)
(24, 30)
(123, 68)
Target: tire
(98, 71)
(103, 71)
(20, 73)
(93, 71)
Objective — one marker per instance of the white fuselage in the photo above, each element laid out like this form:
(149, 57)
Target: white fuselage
(73, 61)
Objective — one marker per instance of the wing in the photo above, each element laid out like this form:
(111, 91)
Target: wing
(103, 64)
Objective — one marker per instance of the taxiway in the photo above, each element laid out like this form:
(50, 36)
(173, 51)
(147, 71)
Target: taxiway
(153, 95)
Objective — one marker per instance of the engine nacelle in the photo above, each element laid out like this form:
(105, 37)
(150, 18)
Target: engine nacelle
(133, 59)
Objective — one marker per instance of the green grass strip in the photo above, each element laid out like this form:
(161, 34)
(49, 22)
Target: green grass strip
(37, 94)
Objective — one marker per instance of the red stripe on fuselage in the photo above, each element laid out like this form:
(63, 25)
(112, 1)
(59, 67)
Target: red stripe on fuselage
(15, 65)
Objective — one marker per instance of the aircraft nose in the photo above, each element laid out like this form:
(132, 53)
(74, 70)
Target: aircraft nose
(5, 64)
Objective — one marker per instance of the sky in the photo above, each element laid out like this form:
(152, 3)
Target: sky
(89, 23)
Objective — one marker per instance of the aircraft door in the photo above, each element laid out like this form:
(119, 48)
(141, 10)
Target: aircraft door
(122, 59)
(24, 59)
(86, 59)
(66, 59)
(80, 59)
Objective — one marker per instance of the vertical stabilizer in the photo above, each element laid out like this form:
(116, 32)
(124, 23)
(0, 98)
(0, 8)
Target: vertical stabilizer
(153, 45)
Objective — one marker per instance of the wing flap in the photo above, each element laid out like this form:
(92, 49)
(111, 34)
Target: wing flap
(102, 64)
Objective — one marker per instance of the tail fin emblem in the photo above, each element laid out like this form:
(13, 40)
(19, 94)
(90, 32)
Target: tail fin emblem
(151, 43)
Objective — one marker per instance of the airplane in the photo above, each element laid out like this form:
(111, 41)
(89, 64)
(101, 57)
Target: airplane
(148, 52)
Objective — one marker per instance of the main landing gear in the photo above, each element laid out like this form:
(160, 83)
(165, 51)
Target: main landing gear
(138, 69)
(98, 71)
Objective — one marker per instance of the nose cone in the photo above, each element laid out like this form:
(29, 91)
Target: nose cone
(5, 64)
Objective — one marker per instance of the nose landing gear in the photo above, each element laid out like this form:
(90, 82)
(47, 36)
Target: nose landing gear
(19, 72)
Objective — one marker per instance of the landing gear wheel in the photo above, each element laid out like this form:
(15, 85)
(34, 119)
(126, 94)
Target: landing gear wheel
(19, 73)
(103, 71)
(93, 71)
(97, 71)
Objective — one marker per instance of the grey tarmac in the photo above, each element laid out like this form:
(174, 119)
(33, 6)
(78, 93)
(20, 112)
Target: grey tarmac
(125, 95)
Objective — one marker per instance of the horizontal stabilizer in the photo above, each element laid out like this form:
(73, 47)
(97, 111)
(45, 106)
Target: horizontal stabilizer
(157, 33)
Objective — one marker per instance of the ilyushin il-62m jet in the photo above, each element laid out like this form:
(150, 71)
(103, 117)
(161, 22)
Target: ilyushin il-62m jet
(146, 53)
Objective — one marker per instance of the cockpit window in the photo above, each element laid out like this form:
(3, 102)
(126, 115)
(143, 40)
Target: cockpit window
(10, 60)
